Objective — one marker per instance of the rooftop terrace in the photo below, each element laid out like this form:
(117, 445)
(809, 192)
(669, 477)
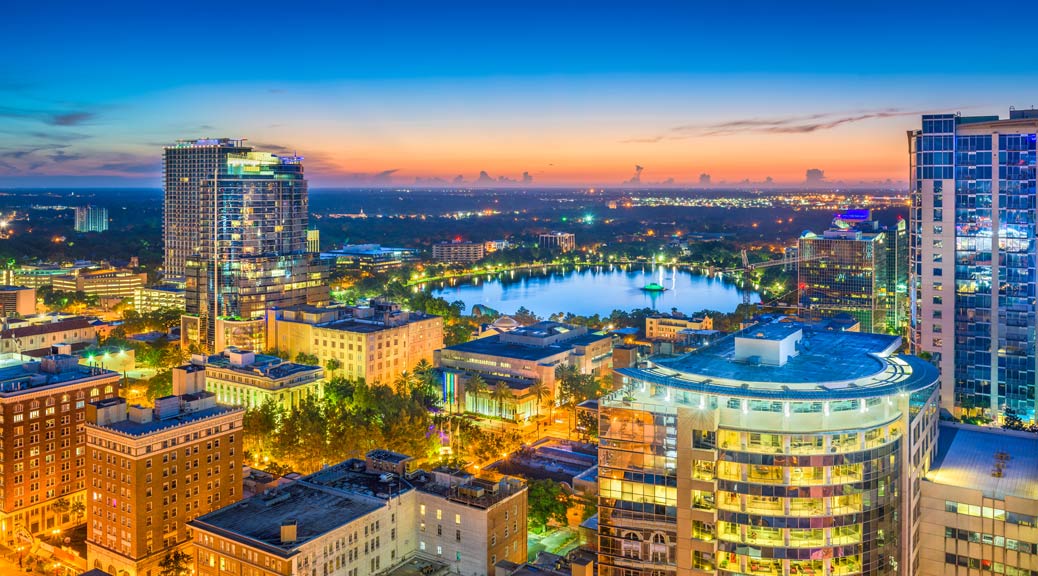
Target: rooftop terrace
(823, 365)
(997, 462)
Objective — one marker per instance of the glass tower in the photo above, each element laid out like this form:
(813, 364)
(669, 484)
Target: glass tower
(236, 222)
(972, 253)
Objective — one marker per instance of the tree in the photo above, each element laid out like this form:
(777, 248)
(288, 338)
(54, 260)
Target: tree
(259, 424)
(308, 359)
(61, 506)
(1012, 420)
(404, 383)
(475, 385)
(160, 385)
(540, 391)
(78, 509)
(501, 393)
(525, 317)
(547, 503)
(175, 563)
(332, 365)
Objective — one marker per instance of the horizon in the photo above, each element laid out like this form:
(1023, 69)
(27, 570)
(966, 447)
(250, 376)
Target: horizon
(553, 95)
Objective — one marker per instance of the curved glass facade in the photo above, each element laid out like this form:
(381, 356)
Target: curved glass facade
(693, 480)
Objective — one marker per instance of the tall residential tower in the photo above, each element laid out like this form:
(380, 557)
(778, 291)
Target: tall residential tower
(235, 231)
(972, 254)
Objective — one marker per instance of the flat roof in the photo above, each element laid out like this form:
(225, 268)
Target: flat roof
(998, 462)
(132, 428)
(829, 365)
(316, 511)
(492, 346)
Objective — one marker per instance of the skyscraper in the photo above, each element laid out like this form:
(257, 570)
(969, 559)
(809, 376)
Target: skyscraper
(972, 254)
(235, 230)
(91, 219)
(859, 268)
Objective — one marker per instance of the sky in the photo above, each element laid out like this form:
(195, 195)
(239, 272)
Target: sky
(562, 93)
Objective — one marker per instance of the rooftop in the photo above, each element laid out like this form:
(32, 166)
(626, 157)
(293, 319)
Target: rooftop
(1000, 463)
(492, 346)
(826, 365)
(263, 365)
(315, 510)
(20, 374)
(131, 428)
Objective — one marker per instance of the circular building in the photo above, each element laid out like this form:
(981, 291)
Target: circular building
(779, 450)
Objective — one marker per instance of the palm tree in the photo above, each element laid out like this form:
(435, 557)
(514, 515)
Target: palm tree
(540, 391)
(332, 365)
(404, 383)
(501, 391)
(476, 386)
(422, 367)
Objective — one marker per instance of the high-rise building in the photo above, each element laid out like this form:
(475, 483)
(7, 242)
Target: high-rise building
(857, 267)
(777, 450)
(973, 253)
(564, 241)
(154, 469)
(313, 240)
(235, 229)
(91, 219)
(43, 404)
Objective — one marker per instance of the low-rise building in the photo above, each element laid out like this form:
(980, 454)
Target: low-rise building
(42, 409)
(564, 241)
(374, 343)
(154, 469)
(458, 252)
(364, 517)
(669, 326)
(17, 301)
(518, 360)
(373, 257)
(244, 378)
(35, 336)
(38, 275)
(158, 297)
(105, 283)
(979, 504)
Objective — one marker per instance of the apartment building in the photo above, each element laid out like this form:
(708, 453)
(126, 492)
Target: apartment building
(458, 252)
(669, 326)
(42, 440)
(151, 470)
(374, 343)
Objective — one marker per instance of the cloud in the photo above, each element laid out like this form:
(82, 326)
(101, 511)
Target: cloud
(793, 124)
(384, 177)
(484, 178)
(131, 167)
(527, 178)
(60, 156)
(71, 118)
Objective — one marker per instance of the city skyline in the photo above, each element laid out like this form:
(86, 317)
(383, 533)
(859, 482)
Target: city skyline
(571, 98)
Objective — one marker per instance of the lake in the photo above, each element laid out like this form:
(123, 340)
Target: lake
(593, 290)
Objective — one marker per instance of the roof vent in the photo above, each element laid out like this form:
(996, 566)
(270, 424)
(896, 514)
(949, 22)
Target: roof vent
(289, 530)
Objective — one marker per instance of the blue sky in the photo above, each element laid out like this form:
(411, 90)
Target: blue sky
(572, 93)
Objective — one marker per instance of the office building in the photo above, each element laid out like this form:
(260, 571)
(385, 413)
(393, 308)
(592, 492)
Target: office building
(979, 505)
(235, 224)
(973, 181)
(244, 378)
(519, 359)
(458, 252)
(776, 450)
(313, 240)
(167, 297)
(104, 283)
(43, 403)
(562, 241)
(34, 336)
(17, 301)
(39, 275)
(372, 343)
(670, 326)
(91, 219)
(857, 267)
(151, 470)
(371, 257)
(370, 516)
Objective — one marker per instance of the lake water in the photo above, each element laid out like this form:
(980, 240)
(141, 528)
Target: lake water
(593, 290)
